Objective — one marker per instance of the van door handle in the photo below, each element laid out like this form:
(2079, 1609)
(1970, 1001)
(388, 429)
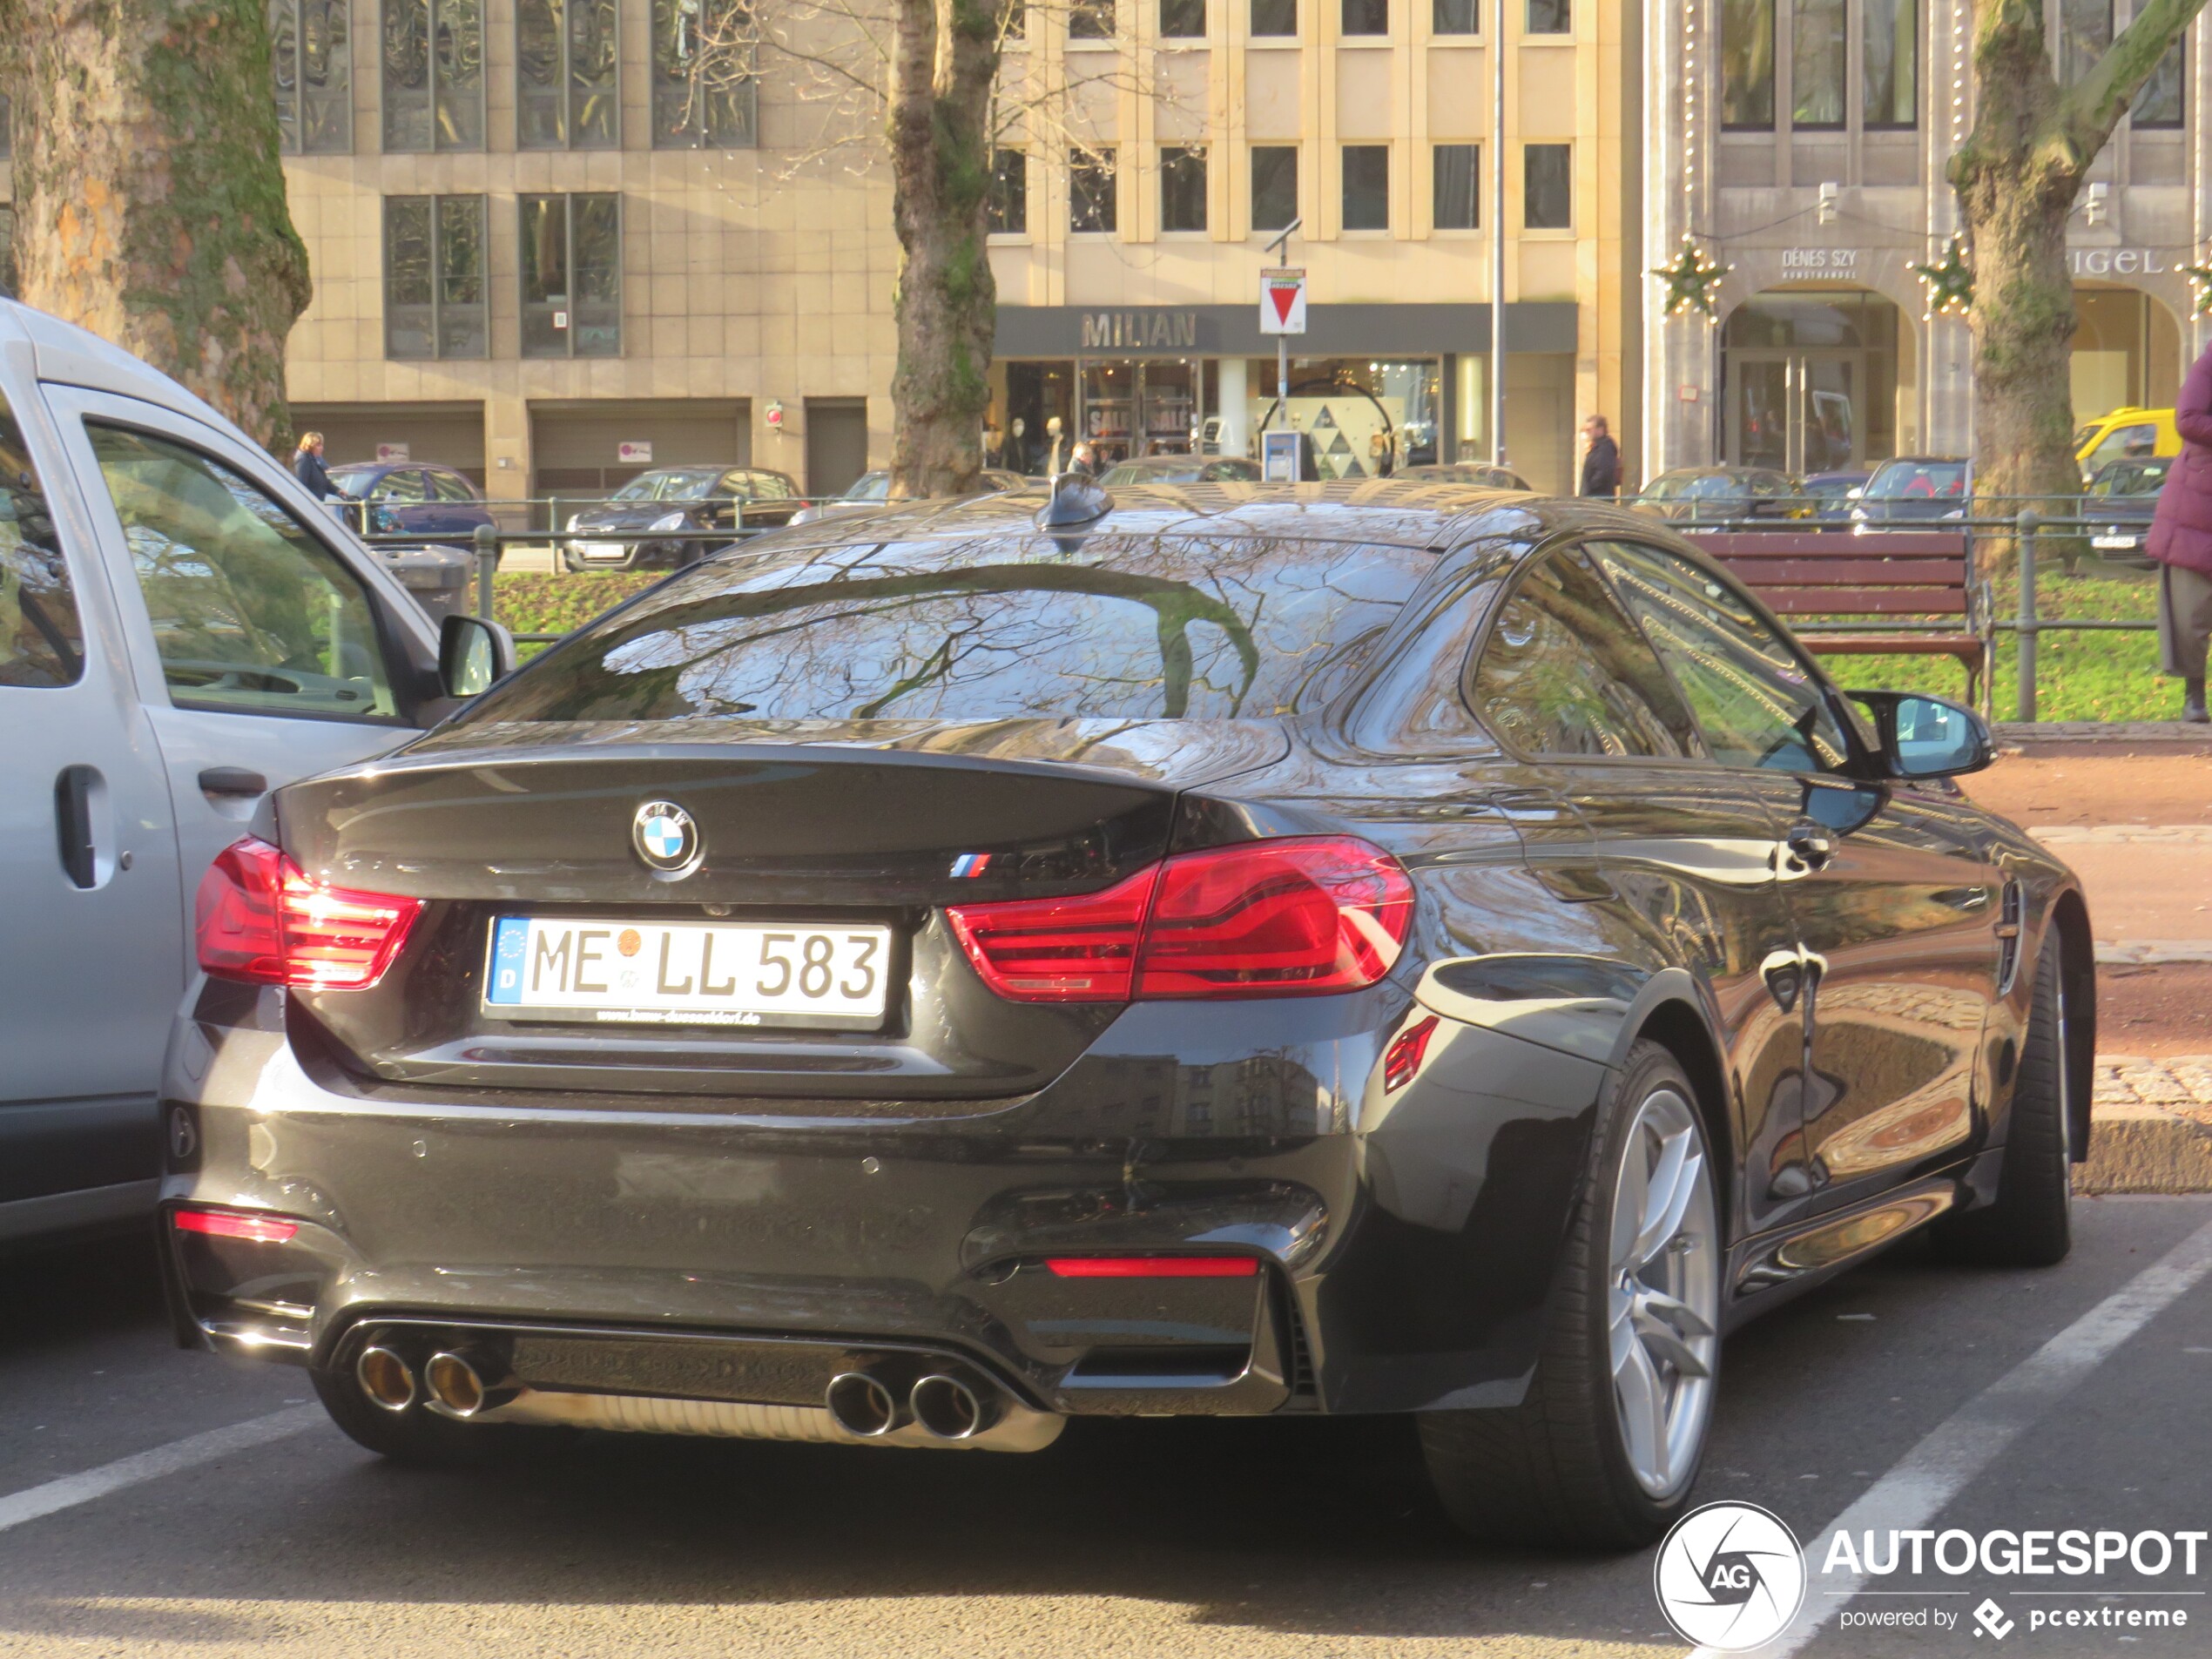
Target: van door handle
(73, 789)
(233, 780)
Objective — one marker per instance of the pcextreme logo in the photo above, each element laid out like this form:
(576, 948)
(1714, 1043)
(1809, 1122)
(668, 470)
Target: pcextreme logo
(1729, 1577)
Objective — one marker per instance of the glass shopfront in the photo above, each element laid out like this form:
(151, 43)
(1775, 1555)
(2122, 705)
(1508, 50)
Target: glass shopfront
(1809, 380)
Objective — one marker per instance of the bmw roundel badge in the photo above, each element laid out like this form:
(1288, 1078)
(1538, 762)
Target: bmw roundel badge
(665, 838)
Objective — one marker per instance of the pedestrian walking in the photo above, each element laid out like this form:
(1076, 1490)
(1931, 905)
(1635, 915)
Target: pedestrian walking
(307, 467)
(1601, 460)
(2181, 540)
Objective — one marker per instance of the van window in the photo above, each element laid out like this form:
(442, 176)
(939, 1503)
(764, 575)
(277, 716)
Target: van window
(42, 643)
(251, 613)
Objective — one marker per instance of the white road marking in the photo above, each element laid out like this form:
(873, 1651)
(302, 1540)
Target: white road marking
(34, 1503)
(1958, 1449)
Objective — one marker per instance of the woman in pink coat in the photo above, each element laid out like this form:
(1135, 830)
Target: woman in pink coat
(2181, 540)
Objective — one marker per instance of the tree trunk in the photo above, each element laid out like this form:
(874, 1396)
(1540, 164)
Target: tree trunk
(150, 203)
(2017, 177)
(945, 57)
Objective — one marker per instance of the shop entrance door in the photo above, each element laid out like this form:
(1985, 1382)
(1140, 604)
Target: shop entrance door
(1796, 411)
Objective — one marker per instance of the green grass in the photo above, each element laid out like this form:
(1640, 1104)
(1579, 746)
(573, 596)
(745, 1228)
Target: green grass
(2090, 676)
(2079, 675)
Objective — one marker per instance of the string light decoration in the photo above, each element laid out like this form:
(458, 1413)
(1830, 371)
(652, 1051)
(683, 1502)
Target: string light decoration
(1690, 278)
(2200, 278)
(1950, 283)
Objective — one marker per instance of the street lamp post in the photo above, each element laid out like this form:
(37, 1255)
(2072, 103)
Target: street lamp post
(1498, 238)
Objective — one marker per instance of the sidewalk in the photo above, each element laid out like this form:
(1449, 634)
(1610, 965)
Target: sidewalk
(2129, 808)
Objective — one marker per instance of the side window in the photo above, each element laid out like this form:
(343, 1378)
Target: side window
(404, 487)
(42, 642)
(1754, 700)
(251, 613)
(1564, 672)
(765, 486)
(451, 486)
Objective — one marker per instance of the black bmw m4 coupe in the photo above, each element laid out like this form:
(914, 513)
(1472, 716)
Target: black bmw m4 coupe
(1353, 948)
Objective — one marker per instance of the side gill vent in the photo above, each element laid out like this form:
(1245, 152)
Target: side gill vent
(2008, 938)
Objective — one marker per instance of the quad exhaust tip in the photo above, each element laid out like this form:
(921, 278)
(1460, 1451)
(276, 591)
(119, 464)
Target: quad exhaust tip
(863, 1406)
(950, 1410)
(455, 1386)
(385, 1377)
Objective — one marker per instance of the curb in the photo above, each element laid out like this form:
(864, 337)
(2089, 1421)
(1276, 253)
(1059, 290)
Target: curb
(2150, 1128)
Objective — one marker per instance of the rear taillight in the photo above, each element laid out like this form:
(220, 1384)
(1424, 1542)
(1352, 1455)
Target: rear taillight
(1289, 917)
(259, 919)
(1402, 1060)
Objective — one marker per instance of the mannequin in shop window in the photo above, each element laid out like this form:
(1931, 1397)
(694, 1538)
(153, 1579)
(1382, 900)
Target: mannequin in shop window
(1057, 448)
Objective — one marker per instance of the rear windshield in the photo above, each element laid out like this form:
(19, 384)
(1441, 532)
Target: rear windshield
(1910, 480)
(978, 630)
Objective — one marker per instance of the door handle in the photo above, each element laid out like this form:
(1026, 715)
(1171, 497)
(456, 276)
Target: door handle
(1810, 845)
(1963, 897)
(73, 789)
(233, 780)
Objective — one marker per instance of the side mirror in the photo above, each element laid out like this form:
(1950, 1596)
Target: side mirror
(473, 655)
(1927, 736)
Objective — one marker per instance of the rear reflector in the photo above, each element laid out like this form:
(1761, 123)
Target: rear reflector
(235, 1223)
(259, 919)
(1153, 1266)
(1298, 917)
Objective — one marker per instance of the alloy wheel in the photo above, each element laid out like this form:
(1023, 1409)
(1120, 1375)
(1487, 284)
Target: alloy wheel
(1662, 1292)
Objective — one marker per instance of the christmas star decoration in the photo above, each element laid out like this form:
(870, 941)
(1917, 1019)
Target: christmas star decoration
(1951, 284)
(2200, 278)
(1690, 279)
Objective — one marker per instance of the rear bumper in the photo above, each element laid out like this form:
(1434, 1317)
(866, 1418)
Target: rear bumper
(1406, 1243)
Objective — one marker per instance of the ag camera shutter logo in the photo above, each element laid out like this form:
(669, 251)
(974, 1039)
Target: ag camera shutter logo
(1729, 1577)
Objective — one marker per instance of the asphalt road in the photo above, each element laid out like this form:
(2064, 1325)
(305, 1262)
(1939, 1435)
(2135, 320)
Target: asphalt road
(1152, 1538)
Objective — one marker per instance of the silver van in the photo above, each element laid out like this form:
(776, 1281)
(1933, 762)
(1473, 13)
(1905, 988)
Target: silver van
(182, 628)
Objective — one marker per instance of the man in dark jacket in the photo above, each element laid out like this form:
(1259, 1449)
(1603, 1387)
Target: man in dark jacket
(307, 467)
(2181, 540)
(1601, 460)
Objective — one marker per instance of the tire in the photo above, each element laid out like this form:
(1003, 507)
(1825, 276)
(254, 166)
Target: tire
(1563, 1467)
(419, 1438)
(2030, 1225)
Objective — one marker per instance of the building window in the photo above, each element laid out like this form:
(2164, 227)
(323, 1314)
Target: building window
(1367, 186)
(1747, 63)
(1455, 17)
(1366, 17)
(1889, 79)
(1183, 190)
(1183, 19)
(433, 74)
(565, 96)
(8, 247)
(704, 96)
(1091, 204)
(1007, 213)
(1548, 186)
(1091, 20)
(572, 276)
(7, 139)
(2158, 105)
(433, 277)
(311, 54)
(1817, 74)
(1458, 195)
(1274, 185)
(1551, 18)
(1274, 18)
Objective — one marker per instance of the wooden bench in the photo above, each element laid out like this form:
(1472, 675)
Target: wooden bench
(1830, 586)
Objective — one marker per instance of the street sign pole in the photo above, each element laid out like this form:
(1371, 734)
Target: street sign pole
(1497, 239)
(1281, 249)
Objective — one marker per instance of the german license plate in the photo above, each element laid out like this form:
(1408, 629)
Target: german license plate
(606, 550)
(687, 973)
(2112, 542)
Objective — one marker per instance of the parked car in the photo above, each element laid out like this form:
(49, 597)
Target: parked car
(1722, 494)
(1311, 953)
(1182, 470)
(182, 627)
(717, 501)
(873, 490)
(1833, 493)
(2117, 508)
(1912, 491)
(414, 498)
(2125, 434)
(1466, 472)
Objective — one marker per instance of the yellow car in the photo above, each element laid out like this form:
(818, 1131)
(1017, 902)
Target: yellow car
(2125, 434)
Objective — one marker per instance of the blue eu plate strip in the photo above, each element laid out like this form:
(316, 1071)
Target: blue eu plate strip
(509, 941)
